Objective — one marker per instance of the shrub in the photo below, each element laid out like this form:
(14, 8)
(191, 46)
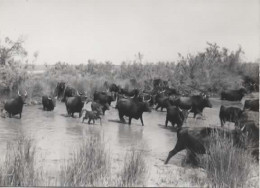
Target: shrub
(226, 165)
(134, 170)
(89, 166)
(19, 165)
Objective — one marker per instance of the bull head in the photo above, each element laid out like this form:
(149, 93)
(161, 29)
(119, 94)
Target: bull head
(147, 100)
(25, 93)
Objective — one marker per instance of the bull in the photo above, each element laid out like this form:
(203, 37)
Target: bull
(114, 88)
(196, 103)
(231, 114)
(198, 139)
(59, 90)
(132, 93)
(104, 97)
(233, 95)
(48, 103)
(252, 132)
(91, 115)
(69, 92)
(75, 104)
(15, 106)
(252, 105)
(164, 102)
(176, 116)
(132, 108)
(95, 106)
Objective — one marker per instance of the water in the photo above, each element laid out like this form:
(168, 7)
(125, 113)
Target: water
(57, 136)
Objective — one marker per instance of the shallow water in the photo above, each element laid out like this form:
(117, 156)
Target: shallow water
(57, 136)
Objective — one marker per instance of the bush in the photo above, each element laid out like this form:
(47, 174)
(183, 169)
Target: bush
(134, 170)
(226, 165)
(19, 165)
(90, 165)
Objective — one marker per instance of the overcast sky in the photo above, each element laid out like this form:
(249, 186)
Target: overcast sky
(113, 30)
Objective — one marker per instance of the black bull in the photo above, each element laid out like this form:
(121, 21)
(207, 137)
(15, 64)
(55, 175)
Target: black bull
(48, 103)
(231, 114)
(195, 103)
(132, 108)
(198, 139)
(74, 105)
(252, 105)
(104, 97)
(233, 95)
(15, 106)
(59, 90)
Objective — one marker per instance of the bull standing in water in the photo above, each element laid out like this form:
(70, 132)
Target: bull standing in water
(196, 103)
(75, 104)
(15, 106)
(48, 103)
(132, 108)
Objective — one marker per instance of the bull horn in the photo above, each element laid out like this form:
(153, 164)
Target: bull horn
(19, 93)
(25, 93)
(179, 109)
(189, 110)
(132, 96)
(163, 91)
(242, 129)
(147, 100)
(49, 98)
(78, 93)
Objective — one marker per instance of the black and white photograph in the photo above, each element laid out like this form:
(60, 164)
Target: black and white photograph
(129, 93)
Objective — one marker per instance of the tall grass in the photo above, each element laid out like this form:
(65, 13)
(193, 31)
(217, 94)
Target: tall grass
(134, 170)
(89, 166)
(226, 165)
(18, 168)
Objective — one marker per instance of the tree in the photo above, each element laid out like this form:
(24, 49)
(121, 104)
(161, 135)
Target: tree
(10, 49)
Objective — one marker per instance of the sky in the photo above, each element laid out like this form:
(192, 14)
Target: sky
(75, 31)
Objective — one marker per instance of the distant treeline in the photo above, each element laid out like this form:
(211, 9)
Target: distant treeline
(210, 71)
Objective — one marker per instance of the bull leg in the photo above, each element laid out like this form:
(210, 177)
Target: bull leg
(10, 115)
(93, 121)
(156, 108)
(20, 115)
(177, 148)
(130, 119)
(141, 118)
(222, 122)
(166, 122)
(100, 120)
(83, 119)
(89, 121)
(121, 116)
(173, 123)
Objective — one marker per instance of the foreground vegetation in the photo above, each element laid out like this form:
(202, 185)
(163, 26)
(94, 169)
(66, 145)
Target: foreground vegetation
(90, 165)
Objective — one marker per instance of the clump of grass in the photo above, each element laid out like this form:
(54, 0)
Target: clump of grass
(19, 165)
(226, 165)
(134, 170)
(89, 166)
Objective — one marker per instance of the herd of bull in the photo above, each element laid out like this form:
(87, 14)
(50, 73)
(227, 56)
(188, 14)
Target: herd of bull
(133, 103)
